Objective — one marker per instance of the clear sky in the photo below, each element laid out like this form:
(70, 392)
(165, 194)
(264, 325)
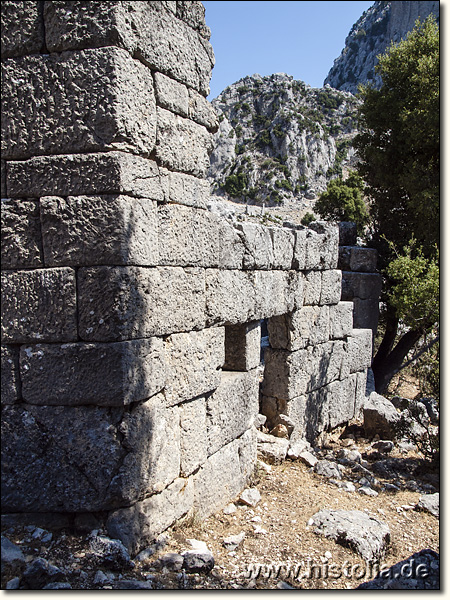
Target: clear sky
(301, 39)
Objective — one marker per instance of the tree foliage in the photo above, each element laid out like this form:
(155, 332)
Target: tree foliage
(343, 201)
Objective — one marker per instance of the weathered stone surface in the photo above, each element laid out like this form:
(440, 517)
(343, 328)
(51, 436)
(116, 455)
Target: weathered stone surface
(78, 174)
(364, 534)
(366, 313)
(340, 406)
(299, 259)
(139, 525)
(341, 320)
(99, 230)
(197, 562)
(180, 188)
(73, 374)
(181, 144)
(358, 351)
(380, 416)
(283, 241)
(429, 503)
(306, 326)
(188, 237)
(275, 292)
(330, 291)
(312, 287)
(347, 233)
(193, 435)
(232, 408)
(242, 346)
(124, 120)
(272, 449)
(111, 553)
(171, 94)
(11, 554)
(250, 496)
(149, 31)
(22, 28)
(193, 363)
(229, 297)
(258, 246)
(3, 193)
(39, 306)
(21, 243)
(355, 258)
(326, 244)
(360, 285)
(193, 13)
(202, 112)
(40, 572)
(10, 381)
(328, 468)
(117, 303)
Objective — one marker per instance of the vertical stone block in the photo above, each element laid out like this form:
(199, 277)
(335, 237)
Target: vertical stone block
(70, 118)
(361, 285)
(171, 95)
(242, 346)
(39, 306)
(202, 112)
(180, 188)
(283, 240)
(258, 246)
(10, 380)
(229, 297)
(312, 287)
(99, 230)
(307, 326)
(193, 363)
(194, 437)
(22, 28)
(330, 292)
(341, 320)
(21, 243)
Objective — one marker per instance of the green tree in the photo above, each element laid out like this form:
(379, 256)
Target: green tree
(343, 201)
(398, 148)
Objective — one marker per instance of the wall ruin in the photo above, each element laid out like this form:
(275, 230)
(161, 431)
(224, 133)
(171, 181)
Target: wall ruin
(130, 313)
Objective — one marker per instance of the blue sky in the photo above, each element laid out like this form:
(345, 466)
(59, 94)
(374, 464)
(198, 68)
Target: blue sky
(298, 38)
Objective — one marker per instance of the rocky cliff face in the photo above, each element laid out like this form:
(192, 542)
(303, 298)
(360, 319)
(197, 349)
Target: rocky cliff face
(280, 140)
(370, 36)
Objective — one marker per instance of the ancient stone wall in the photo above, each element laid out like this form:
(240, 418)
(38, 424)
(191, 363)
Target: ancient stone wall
(130, 313)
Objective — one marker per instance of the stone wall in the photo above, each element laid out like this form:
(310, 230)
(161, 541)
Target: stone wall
(130, 314)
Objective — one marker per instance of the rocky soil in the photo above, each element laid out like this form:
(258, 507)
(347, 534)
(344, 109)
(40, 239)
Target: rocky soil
(235, 548)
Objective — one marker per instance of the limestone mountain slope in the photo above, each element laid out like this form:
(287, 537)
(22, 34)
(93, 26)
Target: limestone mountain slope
(280, 140)
(370, 36)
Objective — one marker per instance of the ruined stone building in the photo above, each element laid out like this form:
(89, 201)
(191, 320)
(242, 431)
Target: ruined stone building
(131, 315)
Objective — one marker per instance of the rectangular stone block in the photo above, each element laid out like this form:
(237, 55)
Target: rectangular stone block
(330, 291)
(242, 346)
(71, 119)
(283, 240)
(307, 326)
(355, 258)
(149, 31)
(361, 285)
(194, 437)
(119, 303)
(99, 230)
(229, 297)
(139, 525)
(202, 112)
(193, 363)
(22, 28)
(360, 393)
(80, 174)
(181, 144)
(231, 246)
(188, 236)
(180, 188)
(10, 380)
(341, 320)
(340, 406)
(232, 408)
(312, 287)
(299, 259)
(114, 374)
(258, 246)
(21, 243)
(328, 244)
(366, 313)
(171, 95)
(358, 355)
(39, 306)
(276, 292)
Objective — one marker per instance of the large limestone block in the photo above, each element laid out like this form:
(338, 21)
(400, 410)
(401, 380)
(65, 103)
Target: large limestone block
(188, 237)
(114, 374)
(22, 28)
(140, 524)
(202, 112)
(366, 313)
(70, 118)
(360, 392)
(355, 258)
(247, 452)
(341, 320)
(146, 30)
(242, 346)
(181, 144)
(312, 287)
(231, 246)
(39, 306)
(258, 246)
(232, 408)
(276, 292)
(171, 94)
(327, 245)
(180, 188)
(341, 397)
(193, 363)
(21, 243)
(330, 291)
(361, 285)
(307, 326)
(10, 380)
(194, 437)
(358, 351)
(119, 303)
(230, 297)
(99, 230)
(283, 241)
(78, 174)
